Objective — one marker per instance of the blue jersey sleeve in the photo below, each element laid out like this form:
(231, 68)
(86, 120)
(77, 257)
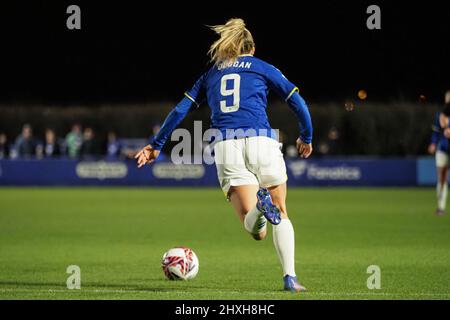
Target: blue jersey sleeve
(289, 92)
(192, 100)
(197, 94)
(279, 83)
(172, 121)
(436, 130)
(298, 105)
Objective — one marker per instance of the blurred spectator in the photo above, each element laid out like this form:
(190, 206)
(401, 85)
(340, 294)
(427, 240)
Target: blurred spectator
(89, 146)
(332, 146)
(291, 151)
(282, 138)
(4, 147)
(334, 141)
(52, 147)
(74, 140)
(25, 143)
(113, 147)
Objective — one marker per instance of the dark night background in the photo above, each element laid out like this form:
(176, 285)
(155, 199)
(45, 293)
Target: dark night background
(141, 51)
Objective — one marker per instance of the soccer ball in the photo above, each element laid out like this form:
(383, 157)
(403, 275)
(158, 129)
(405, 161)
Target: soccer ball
(180, 263)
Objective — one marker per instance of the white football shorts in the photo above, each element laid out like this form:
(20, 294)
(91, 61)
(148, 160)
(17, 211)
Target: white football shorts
(249, 161)
(441, 159)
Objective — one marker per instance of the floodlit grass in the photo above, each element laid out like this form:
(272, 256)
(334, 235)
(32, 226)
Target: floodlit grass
(118, 235)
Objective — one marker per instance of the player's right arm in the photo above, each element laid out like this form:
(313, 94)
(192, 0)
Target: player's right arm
(300, 108)
(150, 152)
(289, 92)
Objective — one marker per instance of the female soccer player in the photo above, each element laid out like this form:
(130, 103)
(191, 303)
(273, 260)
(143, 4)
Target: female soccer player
(440, 147)
(250, 165)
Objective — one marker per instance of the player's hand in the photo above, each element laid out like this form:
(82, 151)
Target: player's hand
(447, 133)
(432, 148)
(304, 149)
(146, 155)
(443, 121)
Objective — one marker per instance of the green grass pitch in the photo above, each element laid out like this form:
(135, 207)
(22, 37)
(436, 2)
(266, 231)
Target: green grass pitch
(118, 235)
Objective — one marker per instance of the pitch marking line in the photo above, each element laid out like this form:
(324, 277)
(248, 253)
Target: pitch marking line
(418, 294)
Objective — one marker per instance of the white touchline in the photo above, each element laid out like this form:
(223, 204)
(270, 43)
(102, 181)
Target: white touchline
(415, 294)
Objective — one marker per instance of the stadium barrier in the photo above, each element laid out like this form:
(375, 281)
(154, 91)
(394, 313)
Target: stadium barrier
(426, 171)
(314, 172)
(367, 129)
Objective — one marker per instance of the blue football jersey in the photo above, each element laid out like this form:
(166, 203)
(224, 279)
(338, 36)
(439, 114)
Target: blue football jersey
(237, 93)
(437, 136)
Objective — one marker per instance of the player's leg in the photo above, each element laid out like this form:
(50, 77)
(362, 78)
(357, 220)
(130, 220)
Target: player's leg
(441, 185)
(278, 195)
(243, 199)
(441, 190)
(271, 171)
(240, 185)
(284, 239)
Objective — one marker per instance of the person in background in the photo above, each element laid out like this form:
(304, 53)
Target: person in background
(334, 141)
(114, 147)
(4, 147)
(25, 143)
(52, 147)
(89, 145)
(332, 145)
(440, 147)
(74, 140)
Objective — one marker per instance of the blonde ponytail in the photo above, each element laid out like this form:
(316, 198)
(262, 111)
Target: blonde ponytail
(235, 39)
